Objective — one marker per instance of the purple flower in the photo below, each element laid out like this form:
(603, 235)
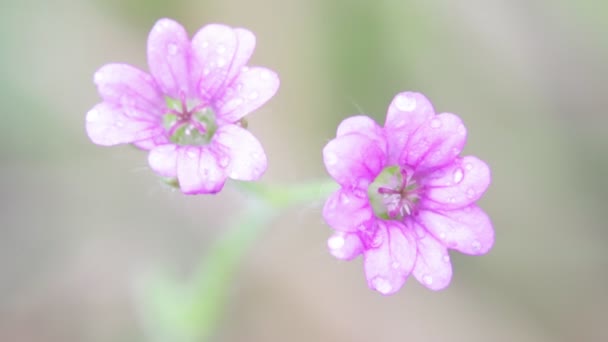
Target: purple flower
(189, 111)
(406, 195)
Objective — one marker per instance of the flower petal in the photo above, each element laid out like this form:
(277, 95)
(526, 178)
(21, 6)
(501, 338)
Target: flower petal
(108, 124)
(240, 153)
(363, 125)
(169, 59)
(353, 160)
(127, 86)
(252, 88)
(163, 160)
(436, 143)
(433, 268)
(198, 170)
(390, 259)
(347, 211)
(221, 52)
(457, 185)
(345, 246)
(406, 113)
(468, 230)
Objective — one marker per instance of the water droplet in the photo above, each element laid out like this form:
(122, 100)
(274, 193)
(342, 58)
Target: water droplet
(377, 240)
(446, 258)
(382, 285)
(344, 199)
(331, 159)
(336, 242)
(254, 95)
(395, 264)
(172, 49)
(442, 235)
(206, 71)
(458, 175)
(469, 166)
(205, 44)
(265, 75)
(221, 49)
(470, 193)
(405, 103)
(427, 279)
(462, 130)
(221, 62)
(224, 161)
(435, 123)
(476, 245)
(191, 154)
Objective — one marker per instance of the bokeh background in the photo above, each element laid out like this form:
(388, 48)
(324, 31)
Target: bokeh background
(80, 224)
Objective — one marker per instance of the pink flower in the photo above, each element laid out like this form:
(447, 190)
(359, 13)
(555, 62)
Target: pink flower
(189, 111)
(406, 195)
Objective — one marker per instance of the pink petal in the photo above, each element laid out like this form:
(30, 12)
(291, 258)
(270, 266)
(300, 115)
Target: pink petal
(127, 86)
(468, 230)
(345, 246)
(390, 259)
(170, 60)
(163, 160)
(347, 211)
(221, 52)
(363, 125)
(251, 89)
(353, 160)
(436, 143)
(240, 153)
(109, 124)
(457, 185)
(148, 144)
(433, 268)
(198, 170)
(405, 114)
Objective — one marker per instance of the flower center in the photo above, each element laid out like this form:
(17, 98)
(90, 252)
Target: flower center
(394, 193)
(188, 122)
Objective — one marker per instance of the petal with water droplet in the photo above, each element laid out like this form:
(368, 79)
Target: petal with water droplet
(247, 157)
(473, 177)
(353, 160)
(345, 211)
(198, 170)
(103, 128)
(345, 246)
(169, 58)
(431, 269)
(406, 113)
(222, 51)
(430, 147)
(467, 230)
(397, 249)
(247, 84)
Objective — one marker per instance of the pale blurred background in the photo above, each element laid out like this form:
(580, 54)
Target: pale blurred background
(79, 224)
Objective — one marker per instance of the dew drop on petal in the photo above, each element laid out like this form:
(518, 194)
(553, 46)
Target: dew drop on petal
(204, 44)
(172, 49)
(336, 242)
(382, 285)
(221, 62)
(344, 199)
(221, 49)
(435, 123)
(395, 264)
(331, 159)
(446, 258)
(427, 279)
(458, 175)
(469, 166)
(265, 75)
(224, 161)
(442, 235)
(254, 95)
(206, 71)
(191, 154)
(476, 245)
(405, 103)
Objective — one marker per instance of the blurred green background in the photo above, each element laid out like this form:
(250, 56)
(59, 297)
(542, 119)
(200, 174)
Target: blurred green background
(80, 224)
